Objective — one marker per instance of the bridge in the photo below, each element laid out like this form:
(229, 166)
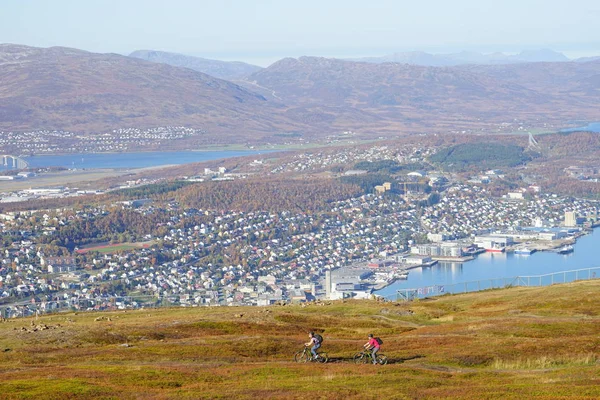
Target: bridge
(15, 162)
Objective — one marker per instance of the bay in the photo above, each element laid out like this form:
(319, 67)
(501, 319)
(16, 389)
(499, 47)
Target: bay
(502, 265)
(591, 127)
(130, 160)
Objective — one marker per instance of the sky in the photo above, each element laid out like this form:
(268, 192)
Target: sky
(263, 31)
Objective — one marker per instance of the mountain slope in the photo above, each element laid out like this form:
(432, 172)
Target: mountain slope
(229, 70)
(401, 94)
(518, 343)
(311, 80)
(61, 88)
(576, 80)
(68, 89)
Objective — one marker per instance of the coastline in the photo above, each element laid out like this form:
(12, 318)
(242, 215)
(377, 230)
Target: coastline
(504, 267)
(551, 246)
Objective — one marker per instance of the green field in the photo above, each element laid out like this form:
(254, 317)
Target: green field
(518, 343)
(114, 248)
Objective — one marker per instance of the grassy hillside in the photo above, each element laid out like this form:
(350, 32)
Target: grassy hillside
(517, 343)
(396, 97)
(70, 89)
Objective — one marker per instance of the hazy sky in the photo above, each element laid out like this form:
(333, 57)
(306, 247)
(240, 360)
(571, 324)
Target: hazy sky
(262, 31)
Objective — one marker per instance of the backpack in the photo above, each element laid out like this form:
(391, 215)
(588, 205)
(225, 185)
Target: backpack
(318, 338)
(379, 341)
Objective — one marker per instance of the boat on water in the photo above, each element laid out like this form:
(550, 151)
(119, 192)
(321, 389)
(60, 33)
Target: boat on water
(565, 249)
(495, 249)
(524, 251)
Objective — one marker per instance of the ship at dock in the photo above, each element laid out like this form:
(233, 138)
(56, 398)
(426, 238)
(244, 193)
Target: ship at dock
(494, 249)
(493, 244)
(565, 249)
(524, 251)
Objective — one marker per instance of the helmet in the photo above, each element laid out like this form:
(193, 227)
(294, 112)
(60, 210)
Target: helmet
(312, 334)
(370, 335)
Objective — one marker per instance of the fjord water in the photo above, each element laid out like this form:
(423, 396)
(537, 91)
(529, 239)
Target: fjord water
(591, 127)
(502, 265)
(130, 160)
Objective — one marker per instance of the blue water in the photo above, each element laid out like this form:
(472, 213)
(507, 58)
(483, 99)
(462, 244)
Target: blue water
(591, 127)
(502, 265)
(130, 160)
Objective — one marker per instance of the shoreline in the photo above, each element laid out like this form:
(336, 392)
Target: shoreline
(275, 147)
(219, 149)
(550, 248)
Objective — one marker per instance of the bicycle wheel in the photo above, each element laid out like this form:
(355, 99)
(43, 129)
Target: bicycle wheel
(322, 357)
(302, 356)
(360, 358)
(382, 359)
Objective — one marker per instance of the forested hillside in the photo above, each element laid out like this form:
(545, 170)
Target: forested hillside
(481, 155)
(293, 195)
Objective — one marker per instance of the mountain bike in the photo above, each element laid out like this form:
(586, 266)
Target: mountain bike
(365, 357)
(305, 355)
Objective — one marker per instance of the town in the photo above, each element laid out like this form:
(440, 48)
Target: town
(141, 252)
(201, 257)
(117, 140)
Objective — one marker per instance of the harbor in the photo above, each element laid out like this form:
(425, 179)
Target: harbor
(398, 270)
(544, 259)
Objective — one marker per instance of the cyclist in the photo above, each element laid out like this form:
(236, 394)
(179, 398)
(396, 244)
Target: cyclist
(314, 343)
(373, 345)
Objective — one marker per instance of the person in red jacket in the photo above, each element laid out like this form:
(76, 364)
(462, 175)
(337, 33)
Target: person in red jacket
(373, 345)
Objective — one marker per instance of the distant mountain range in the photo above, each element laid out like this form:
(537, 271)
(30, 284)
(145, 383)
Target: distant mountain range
(587, 59)
(402, 96)
(61, 88)
(229, 70)
(466, 57)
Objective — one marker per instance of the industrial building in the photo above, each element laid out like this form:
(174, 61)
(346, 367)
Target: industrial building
(438, 249)
(346, 282)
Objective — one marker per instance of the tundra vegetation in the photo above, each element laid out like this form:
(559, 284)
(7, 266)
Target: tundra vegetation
(515, 343)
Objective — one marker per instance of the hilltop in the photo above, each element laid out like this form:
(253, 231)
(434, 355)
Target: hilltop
(512, 344)
(291, 101)
(467, 57)
(70, 89)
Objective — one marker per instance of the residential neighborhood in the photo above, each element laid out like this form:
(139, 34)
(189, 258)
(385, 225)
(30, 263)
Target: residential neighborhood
(261, 258)
(117, 140)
